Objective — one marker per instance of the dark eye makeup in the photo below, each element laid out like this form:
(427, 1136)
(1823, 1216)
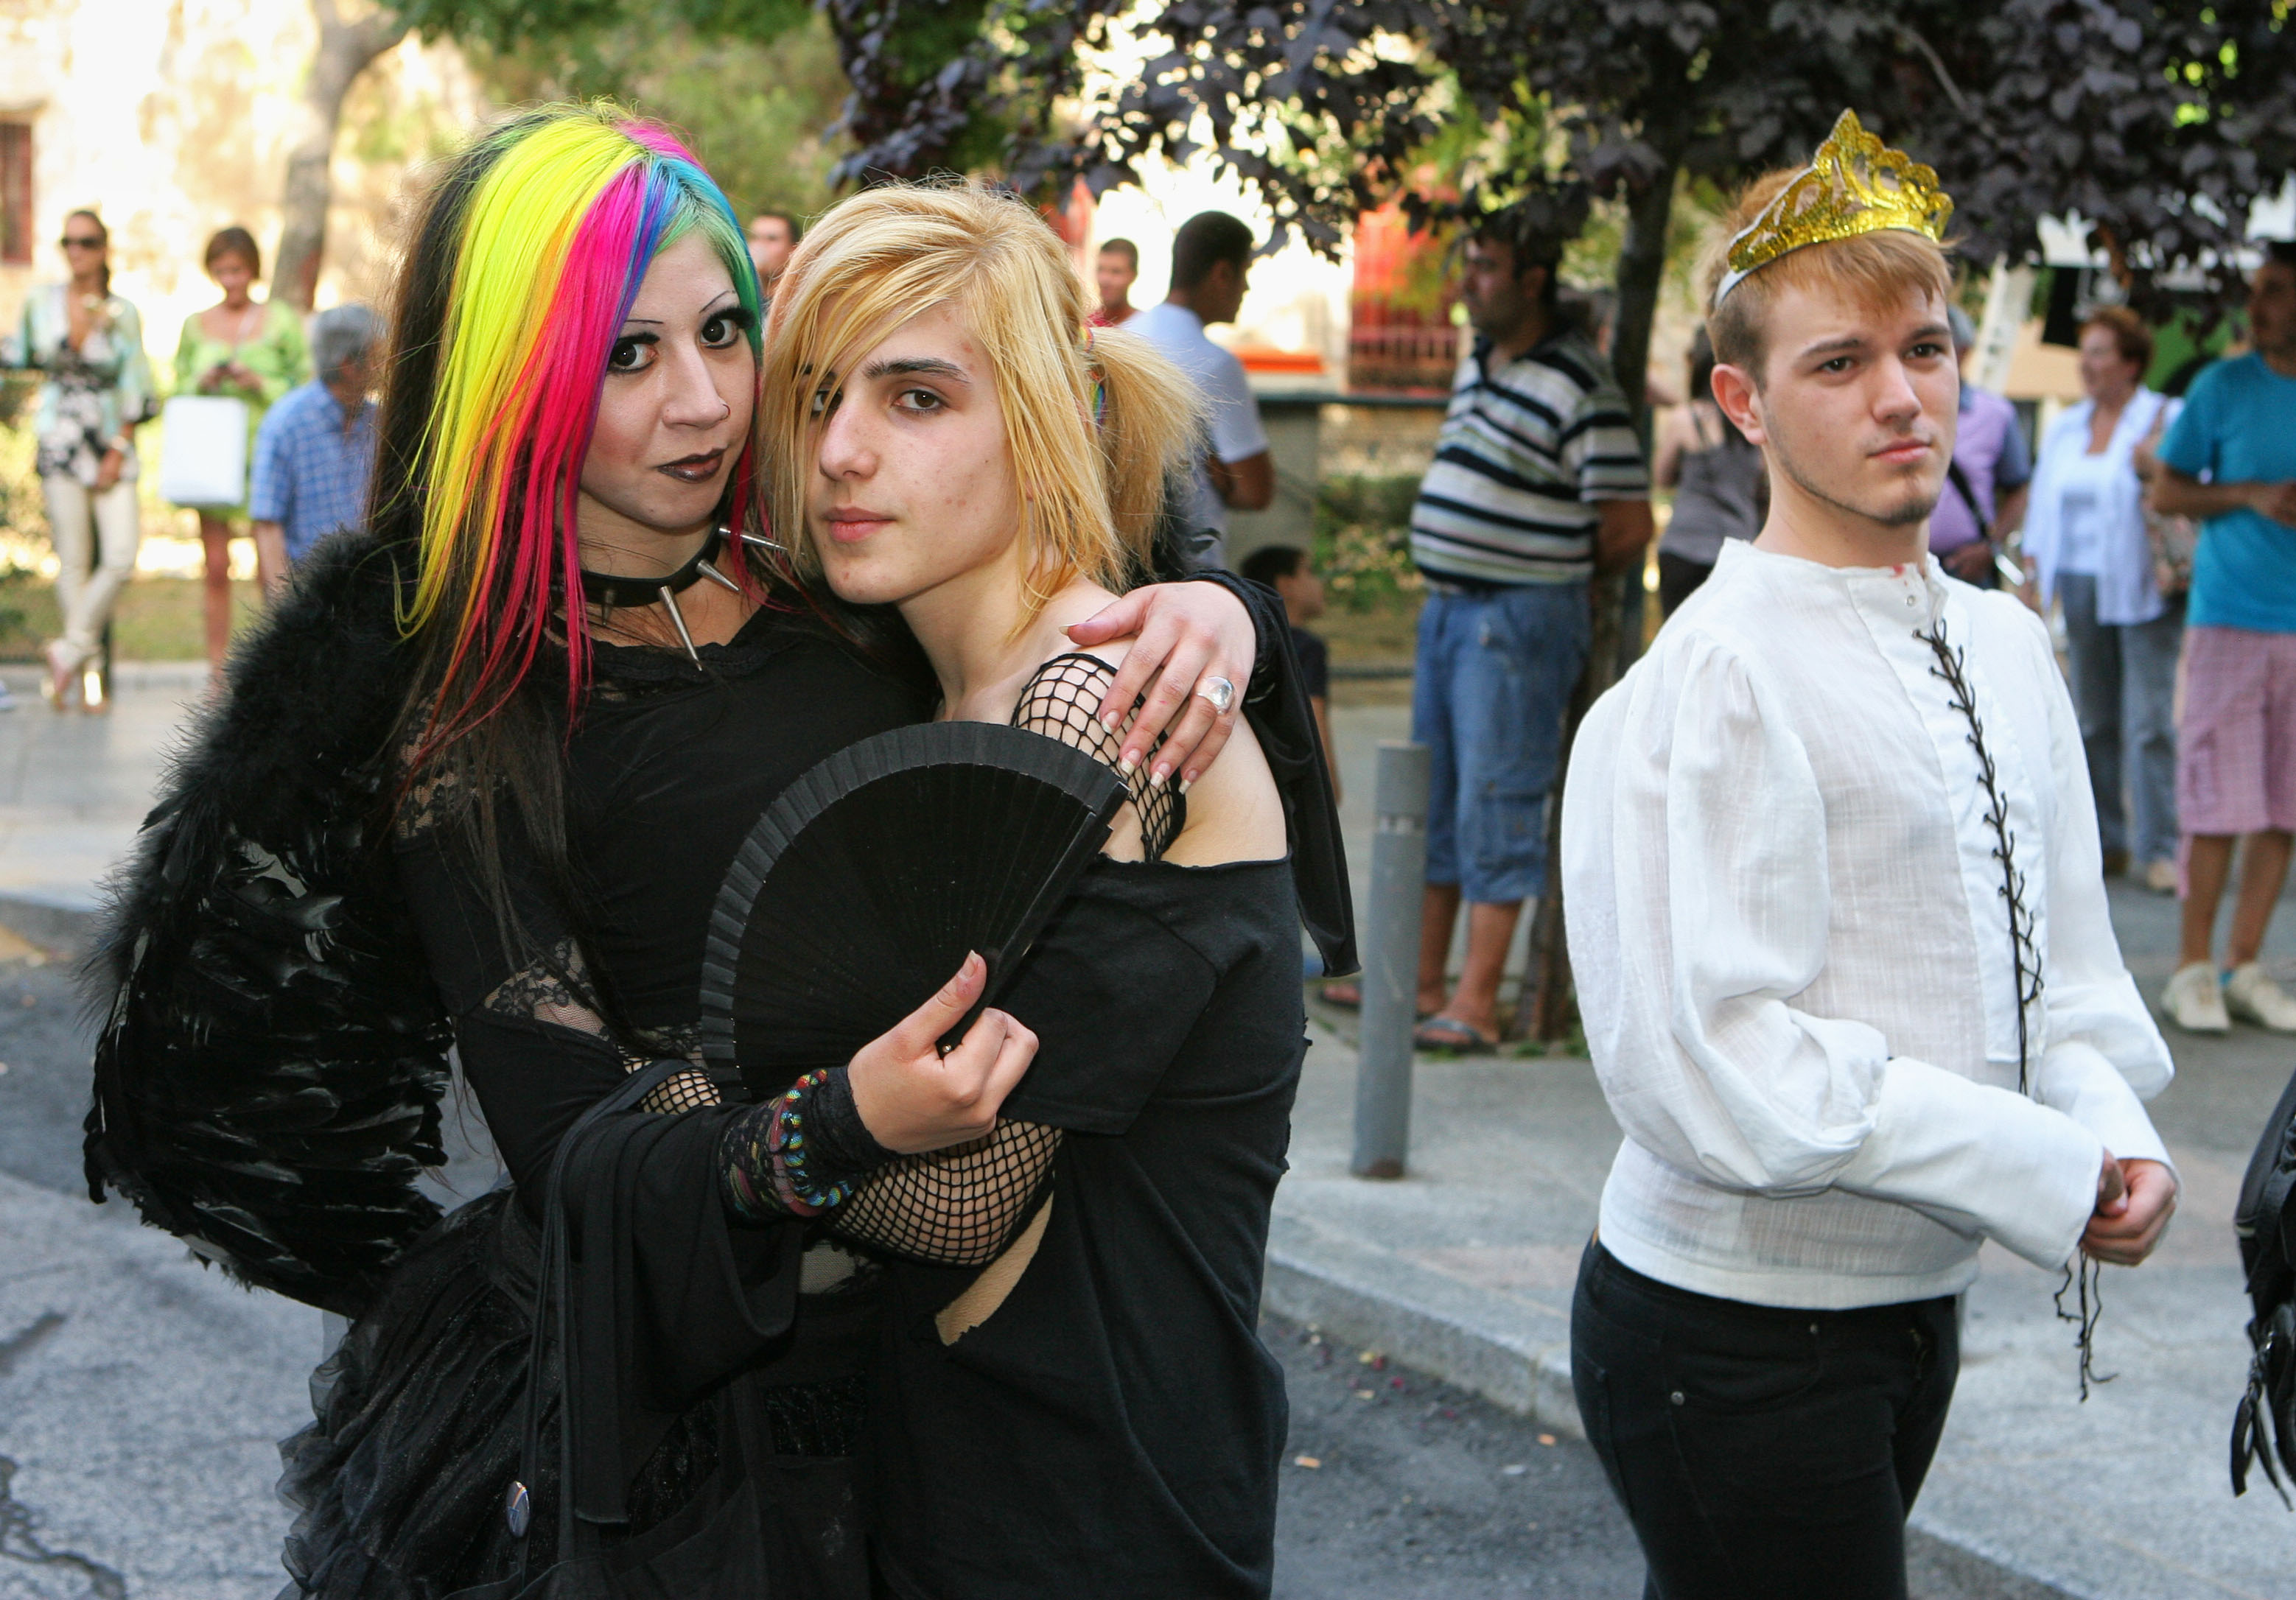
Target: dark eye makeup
(632, 353)
(720, 330)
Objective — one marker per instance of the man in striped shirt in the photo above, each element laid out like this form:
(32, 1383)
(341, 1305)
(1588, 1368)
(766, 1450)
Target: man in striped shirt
(1539, 482)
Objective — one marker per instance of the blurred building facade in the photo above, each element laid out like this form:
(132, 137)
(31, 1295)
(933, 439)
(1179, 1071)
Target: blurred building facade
(172, 118)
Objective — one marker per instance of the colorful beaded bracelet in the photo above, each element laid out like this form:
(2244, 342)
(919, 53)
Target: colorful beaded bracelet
(785, 1144)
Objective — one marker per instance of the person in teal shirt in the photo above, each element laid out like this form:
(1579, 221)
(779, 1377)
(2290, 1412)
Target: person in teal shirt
(2230, 458)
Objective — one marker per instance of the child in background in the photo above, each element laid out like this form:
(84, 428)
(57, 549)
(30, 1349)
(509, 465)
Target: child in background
(1284, 567)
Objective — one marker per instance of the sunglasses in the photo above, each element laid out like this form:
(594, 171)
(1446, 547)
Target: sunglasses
(84, 242)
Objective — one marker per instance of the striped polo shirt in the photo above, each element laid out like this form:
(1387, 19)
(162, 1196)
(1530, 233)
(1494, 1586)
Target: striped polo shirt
(1525, 452)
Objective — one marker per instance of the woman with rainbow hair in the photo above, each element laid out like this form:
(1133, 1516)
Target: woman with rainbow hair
(475, 785)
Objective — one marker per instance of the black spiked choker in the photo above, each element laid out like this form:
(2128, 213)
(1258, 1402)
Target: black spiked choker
(612, 590)
(608, 590)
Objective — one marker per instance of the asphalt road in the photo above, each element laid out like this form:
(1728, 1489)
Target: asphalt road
(43, 1075)
(1394, 1485)
(1400, 1487)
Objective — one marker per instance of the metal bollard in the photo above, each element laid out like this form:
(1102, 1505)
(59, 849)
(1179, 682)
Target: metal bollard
(1390, 978)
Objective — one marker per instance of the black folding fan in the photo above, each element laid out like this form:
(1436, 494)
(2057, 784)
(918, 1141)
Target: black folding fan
(862, 888)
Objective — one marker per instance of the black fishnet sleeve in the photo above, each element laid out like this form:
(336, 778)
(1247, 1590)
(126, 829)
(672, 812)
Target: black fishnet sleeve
(958, 1207)
(1061, 702)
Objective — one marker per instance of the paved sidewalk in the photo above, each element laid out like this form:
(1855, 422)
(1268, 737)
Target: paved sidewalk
(74, 788)
(1465, 1267)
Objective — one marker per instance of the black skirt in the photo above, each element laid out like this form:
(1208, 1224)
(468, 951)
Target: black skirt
(401, 1483)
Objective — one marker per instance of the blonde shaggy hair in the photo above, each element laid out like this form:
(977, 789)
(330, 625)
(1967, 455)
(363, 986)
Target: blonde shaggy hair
(1875, 270)
(1093, 494)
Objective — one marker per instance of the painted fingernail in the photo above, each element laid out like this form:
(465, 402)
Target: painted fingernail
(1127, 761)
(1187, 784)
(1156, 778)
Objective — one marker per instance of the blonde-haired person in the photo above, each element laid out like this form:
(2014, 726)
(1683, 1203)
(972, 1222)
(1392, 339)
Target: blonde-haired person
(1087, 1410)
(1838, 920)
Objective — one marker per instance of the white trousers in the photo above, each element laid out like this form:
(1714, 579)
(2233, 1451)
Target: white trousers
(81, 519)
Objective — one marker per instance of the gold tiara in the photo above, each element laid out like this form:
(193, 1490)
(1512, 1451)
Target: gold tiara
(1854, 184)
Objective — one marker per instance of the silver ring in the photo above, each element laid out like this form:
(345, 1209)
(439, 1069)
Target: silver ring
(1219, 691)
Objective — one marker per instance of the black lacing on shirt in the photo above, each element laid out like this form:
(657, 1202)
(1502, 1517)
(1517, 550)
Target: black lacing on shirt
(2085, 1278)
(2024, 952)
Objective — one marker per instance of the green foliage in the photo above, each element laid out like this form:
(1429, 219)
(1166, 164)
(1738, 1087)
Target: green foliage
(509, 25)
(1363, 540)
(929, 90)
(1590, 260)
(754, 111)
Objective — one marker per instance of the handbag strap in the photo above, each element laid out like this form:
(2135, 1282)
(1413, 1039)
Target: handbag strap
(553, 1318)
(1961, 485)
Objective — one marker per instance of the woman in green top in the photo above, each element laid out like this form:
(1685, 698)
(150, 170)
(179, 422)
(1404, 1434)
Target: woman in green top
(243, 349)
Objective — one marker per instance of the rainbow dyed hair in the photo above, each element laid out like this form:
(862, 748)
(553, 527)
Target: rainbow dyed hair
(531, 249)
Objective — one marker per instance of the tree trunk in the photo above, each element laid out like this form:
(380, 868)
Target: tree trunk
(1547, 1007)
(345, 51)
(1642, 269)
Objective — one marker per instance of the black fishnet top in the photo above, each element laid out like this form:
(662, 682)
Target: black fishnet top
(960, 1206)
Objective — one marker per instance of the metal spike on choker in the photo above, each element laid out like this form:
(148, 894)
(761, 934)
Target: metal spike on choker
(608, 590)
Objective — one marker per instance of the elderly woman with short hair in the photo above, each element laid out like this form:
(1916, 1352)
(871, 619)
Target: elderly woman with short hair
(2085, 541)
(317, 446)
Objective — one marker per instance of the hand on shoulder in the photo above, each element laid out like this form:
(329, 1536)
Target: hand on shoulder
(1235, 812)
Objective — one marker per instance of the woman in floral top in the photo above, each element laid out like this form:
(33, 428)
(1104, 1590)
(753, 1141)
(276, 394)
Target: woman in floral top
(243, 349)
(90, 344)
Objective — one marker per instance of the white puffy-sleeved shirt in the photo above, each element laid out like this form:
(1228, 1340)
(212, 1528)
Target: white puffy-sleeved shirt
(1798, 955)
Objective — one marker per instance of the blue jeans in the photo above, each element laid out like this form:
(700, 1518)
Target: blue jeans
(1495, 673)
(2124, 683)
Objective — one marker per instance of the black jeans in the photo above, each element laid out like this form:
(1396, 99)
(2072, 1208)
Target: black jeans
(1761, 1453)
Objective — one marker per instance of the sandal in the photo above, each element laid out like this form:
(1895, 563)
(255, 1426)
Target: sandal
(1347, 994)
(1449, 1034)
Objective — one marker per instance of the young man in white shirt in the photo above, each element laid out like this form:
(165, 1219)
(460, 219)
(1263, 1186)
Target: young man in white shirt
(1211, 265)
(1839, 925)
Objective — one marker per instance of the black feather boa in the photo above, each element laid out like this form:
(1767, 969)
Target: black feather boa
(273, 1052)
